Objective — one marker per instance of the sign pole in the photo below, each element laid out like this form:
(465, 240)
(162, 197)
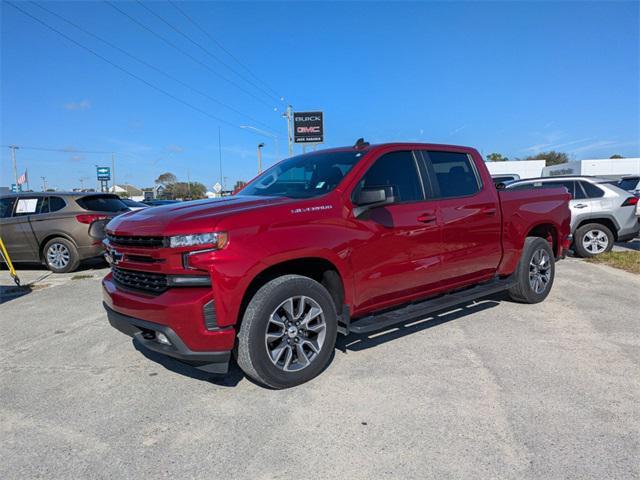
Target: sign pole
(289, 116)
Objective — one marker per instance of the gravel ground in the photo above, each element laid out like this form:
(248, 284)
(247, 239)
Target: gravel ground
(491, 390)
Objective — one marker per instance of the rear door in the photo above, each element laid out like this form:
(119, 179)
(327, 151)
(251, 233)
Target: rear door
(400, 250)
(49, 219)
(17, 234)
(469, 214)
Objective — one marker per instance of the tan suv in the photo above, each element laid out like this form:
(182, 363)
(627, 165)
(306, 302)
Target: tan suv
(57, 229)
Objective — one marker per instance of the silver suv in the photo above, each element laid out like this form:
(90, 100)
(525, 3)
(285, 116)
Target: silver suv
(601, 213)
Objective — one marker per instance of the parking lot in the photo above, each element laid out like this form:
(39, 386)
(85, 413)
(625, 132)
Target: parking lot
(491, 390)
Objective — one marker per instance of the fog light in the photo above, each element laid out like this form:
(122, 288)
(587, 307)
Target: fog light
(162, 338)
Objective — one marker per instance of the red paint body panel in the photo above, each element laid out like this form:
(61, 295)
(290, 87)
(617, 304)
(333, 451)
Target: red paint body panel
(391, 257)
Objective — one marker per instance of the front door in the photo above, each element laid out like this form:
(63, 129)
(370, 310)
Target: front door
(398, 256)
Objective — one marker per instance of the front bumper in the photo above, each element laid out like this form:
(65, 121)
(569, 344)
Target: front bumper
(146, 333)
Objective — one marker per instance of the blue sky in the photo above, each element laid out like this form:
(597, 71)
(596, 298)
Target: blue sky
(510, 77)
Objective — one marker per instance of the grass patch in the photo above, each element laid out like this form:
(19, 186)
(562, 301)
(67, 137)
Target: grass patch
(629, 261)
(81, 276)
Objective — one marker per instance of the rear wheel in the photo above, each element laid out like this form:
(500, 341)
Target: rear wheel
(535, 272)
(60, 255)
(288, 332)
(593, 239)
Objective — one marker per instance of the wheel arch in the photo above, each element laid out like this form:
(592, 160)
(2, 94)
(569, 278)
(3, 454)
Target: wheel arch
(549, 232)
(319, 269)
(51, 236)
(608, 222)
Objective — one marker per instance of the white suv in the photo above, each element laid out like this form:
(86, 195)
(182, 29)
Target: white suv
(601, 213)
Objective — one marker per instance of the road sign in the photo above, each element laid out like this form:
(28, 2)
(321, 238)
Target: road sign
(104, 173)
(16, 188)
(308, 127)
(217, 187)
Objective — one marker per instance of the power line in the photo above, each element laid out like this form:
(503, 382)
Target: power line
(61, 150)
(174, 46)
(222, 47)
(153, 67)
(122, 69)
(205, 50)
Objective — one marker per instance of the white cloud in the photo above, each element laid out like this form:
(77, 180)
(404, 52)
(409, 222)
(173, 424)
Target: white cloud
(81, 105)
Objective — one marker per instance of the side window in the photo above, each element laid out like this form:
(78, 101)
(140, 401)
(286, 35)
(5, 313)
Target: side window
(6, 206)
(398, 171)
(56, 203)
(591, 190)
(455, 174)
(28, 206)
(575, 190)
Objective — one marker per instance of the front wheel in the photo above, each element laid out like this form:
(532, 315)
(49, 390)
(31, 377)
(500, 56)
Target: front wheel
(288, 332)
(535, 272)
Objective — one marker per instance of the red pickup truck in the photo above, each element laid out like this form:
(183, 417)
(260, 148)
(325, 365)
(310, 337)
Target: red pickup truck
(353, 239)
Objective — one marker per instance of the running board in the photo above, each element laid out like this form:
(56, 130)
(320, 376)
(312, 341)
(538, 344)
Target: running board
(414, 311)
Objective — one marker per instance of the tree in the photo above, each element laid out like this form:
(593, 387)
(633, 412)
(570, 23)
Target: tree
(191, 190)
(166, 178)
(616, 156)
(496, 157)
(551, 158)
(239, 184)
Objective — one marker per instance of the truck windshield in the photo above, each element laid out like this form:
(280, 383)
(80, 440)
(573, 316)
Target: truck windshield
(304, 176)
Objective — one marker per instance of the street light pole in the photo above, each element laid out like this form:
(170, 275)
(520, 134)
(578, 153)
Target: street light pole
(15, 168)
(44, 184)
(289, 116)
(260, 145)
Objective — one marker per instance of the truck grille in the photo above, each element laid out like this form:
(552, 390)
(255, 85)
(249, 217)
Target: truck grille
(136, 241)
(148, 282)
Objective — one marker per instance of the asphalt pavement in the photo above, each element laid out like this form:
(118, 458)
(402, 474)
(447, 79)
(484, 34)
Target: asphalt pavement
(494, 389)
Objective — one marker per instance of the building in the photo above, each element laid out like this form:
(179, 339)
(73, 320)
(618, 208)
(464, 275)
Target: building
(129, 191)
(523, 168)
(597, 167)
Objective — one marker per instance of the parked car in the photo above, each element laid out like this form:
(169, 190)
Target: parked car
(505, 178)
(601, 213)
(630, 183)
(155, 203)
(57, 229)
(353, 239)
(133, 205)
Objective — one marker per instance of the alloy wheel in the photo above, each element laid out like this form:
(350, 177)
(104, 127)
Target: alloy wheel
(58, 255)
(595, 241)
(295, 334)
(539, 271)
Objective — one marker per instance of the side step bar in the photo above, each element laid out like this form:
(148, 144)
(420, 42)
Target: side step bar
(414, 311)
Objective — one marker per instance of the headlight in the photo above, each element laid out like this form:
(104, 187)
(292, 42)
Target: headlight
(215, 240)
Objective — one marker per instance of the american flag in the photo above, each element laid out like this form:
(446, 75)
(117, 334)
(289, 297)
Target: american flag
(22, 179)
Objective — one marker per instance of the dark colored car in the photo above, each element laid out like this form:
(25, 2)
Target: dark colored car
(134, 205)
(156, 203)
(353, 239)
(57, 229)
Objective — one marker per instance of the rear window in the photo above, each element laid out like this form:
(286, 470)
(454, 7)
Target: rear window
(628, 183)
(102, 203)
(455, 174)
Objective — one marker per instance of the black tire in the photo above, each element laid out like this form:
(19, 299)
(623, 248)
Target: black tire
(253, 354)
(523, 291)
(70, 259)
(580, 245)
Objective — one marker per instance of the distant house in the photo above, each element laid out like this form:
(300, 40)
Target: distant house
(126, 190)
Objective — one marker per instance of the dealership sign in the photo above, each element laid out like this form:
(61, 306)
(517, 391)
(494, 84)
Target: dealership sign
(308, 127)
(104, 173)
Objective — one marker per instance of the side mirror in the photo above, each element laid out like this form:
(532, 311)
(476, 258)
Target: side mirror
(368, 198)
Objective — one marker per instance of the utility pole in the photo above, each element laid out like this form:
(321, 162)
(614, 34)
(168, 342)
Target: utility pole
(220, 156)
(289, 116)
(15, 168)
(44, 184)
(189, 183)
(260, 145)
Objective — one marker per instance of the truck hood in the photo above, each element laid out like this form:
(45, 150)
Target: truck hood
(186, 217)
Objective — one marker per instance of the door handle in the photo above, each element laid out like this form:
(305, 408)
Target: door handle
(489, 211)
(427, 218)
(581, 205)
